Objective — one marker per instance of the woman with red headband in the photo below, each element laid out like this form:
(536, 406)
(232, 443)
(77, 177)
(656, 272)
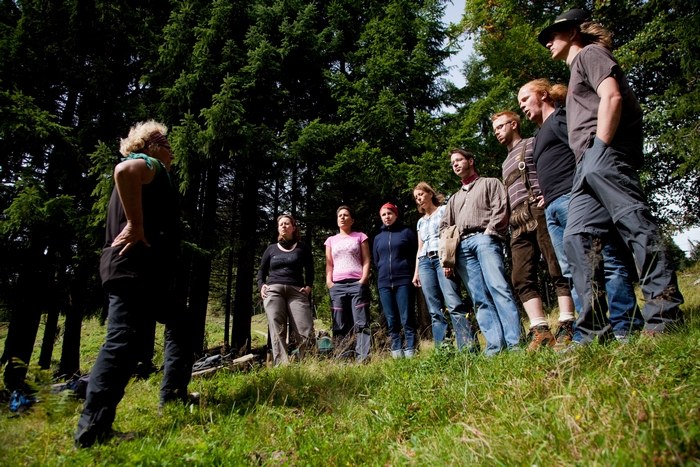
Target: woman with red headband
(394, 253)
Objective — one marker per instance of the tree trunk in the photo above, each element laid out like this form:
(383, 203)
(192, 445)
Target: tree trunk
(201, 265)
(243, 304)
(70, 351)
(50, 331)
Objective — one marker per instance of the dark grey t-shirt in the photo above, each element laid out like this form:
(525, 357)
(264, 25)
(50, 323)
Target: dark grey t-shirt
(588, 69)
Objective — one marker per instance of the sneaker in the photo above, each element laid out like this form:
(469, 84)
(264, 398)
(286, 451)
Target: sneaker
(472, 347)
(540, 336)
(409, 353)
(571, 348)
(194, 398)
(622, 338)
(397, 354)
(191, 399)
(565, 333)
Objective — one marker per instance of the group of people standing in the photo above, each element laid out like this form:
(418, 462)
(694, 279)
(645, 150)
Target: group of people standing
(570, 194)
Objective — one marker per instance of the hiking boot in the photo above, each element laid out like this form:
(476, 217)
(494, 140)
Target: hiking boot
(565, 333)
(540, 336)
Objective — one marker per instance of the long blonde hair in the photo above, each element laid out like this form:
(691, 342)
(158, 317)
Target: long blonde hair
(595, 33)
(555, 92)
(436, 198)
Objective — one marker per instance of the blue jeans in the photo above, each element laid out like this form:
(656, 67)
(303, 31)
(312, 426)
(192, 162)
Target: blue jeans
(397, 304)
(625, 315)
(438, 289)
(480, 265)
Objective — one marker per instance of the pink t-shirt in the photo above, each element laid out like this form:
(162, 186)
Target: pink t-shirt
(346, 251)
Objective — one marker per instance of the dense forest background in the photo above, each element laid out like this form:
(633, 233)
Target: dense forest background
(283, 106)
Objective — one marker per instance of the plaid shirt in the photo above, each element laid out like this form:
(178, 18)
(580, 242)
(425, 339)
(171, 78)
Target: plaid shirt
(429, 230)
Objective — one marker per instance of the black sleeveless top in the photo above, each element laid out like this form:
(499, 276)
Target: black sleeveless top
(161, 226)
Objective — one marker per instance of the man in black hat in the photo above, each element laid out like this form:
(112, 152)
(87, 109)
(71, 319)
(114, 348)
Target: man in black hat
(605, 133)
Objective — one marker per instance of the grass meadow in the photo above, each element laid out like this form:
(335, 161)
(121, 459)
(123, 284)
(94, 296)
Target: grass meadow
(615, 404)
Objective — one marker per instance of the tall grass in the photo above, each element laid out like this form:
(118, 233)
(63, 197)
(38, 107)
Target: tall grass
(634, 404)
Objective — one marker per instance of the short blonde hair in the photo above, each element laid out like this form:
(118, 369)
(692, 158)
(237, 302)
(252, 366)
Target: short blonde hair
(140, 135)
(508, 114)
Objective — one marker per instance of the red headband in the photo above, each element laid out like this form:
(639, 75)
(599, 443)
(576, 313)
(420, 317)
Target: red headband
(391, 207)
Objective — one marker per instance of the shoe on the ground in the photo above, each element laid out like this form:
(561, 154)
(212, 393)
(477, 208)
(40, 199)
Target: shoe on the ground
(396, 354)
(194, 398)
(565, 333)
(409, 353)
(472, 346)
(87, 440)
(572, 347)
(191, 399)
(540, 336)
(622, 337)
(120, 436)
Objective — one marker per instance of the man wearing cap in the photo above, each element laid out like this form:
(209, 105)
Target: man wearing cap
(605, 134)
(480, 212)
(529, 238)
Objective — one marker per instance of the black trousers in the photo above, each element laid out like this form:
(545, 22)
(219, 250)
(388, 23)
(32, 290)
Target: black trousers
(132, 306)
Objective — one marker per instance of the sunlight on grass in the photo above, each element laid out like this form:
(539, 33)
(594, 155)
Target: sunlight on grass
(614, 404)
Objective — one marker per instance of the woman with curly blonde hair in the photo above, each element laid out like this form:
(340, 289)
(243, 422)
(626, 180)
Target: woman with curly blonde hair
(137, 268)
(143, 136)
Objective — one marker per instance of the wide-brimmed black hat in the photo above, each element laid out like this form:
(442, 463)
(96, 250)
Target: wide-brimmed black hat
(563, 21)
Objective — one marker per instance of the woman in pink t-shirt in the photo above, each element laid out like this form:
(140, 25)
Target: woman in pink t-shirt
(347, 278)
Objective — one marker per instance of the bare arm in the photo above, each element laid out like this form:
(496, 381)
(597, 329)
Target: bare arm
(416, 277)
(365, 263)
(329, 267)
(609, 110)
(129, 178)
